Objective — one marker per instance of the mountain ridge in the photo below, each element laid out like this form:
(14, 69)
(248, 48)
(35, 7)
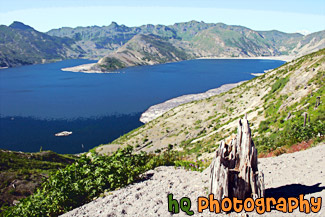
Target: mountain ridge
(184, 31)
(196, 39)
(20, 44)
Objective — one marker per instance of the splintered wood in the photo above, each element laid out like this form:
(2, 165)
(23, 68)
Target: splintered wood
(234, 171)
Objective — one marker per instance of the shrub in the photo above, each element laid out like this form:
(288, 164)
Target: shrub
(87, 178)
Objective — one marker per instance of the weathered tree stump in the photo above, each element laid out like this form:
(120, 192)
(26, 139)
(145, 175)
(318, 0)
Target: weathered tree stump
(234, 171)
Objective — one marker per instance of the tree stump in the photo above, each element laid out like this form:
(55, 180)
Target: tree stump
(234, 171)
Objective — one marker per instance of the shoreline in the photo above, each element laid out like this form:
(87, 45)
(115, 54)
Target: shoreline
(285, 58)
(157, 110)
(87, 68)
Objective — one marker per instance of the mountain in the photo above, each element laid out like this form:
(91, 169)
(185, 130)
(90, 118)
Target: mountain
(142, 49)
(231, 41)
(99, 41)
(187, 30)
(20, 44)
(198, 38)
(275, 104)
(310, 43)
(283, 42)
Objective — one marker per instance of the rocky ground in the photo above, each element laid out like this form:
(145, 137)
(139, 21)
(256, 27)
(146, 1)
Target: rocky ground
(285, 176)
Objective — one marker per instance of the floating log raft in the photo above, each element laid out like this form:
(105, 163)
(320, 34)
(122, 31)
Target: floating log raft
(234, 171)
(63, 133)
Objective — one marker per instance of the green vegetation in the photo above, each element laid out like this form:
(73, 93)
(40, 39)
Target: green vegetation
(45, 160)
(111, 63)
(86, 179)
(197, 165)
(293, 130)
(281, 82)
(26, 171)
(143, 50)
(165, 49)
(22, 45)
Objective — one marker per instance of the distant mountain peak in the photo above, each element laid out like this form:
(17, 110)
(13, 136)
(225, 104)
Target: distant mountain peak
(114, 24)
(20, 25)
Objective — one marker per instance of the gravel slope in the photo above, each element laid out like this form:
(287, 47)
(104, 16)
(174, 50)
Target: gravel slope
(287, 175)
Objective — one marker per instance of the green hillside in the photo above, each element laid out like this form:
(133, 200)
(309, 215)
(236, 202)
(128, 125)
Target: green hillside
(22, 45)
(196, 128)
(21, 173)
(142, 50)
(232, 41)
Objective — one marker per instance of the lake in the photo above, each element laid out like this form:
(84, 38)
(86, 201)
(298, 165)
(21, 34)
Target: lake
(38, 101)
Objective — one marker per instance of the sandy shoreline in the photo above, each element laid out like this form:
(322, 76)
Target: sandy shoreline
(88, 68)
(157, 110)
(85, 68)
(283, 58)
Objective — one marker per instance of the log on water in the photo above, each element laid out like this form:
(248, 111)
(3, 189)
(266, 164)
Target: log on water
(234, 171)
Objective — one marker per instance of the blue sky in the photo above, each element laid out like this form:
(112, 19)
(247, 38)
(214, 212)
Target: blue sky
(285, 15)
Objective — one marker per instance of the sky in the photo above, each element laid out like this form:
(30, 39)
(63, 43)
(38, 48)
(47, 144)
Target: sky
(286, 15)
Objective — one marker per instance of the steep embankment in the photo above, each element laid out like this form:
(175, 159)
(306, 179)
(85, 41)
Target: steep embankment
(274, 104)
(22, 45)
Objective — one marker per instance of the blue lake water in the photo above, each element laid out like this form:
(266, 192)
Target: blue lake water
(40, 100)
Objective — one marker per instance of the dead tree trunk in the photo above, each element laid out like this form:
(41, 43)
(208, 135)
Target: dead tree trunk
(234, 171)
